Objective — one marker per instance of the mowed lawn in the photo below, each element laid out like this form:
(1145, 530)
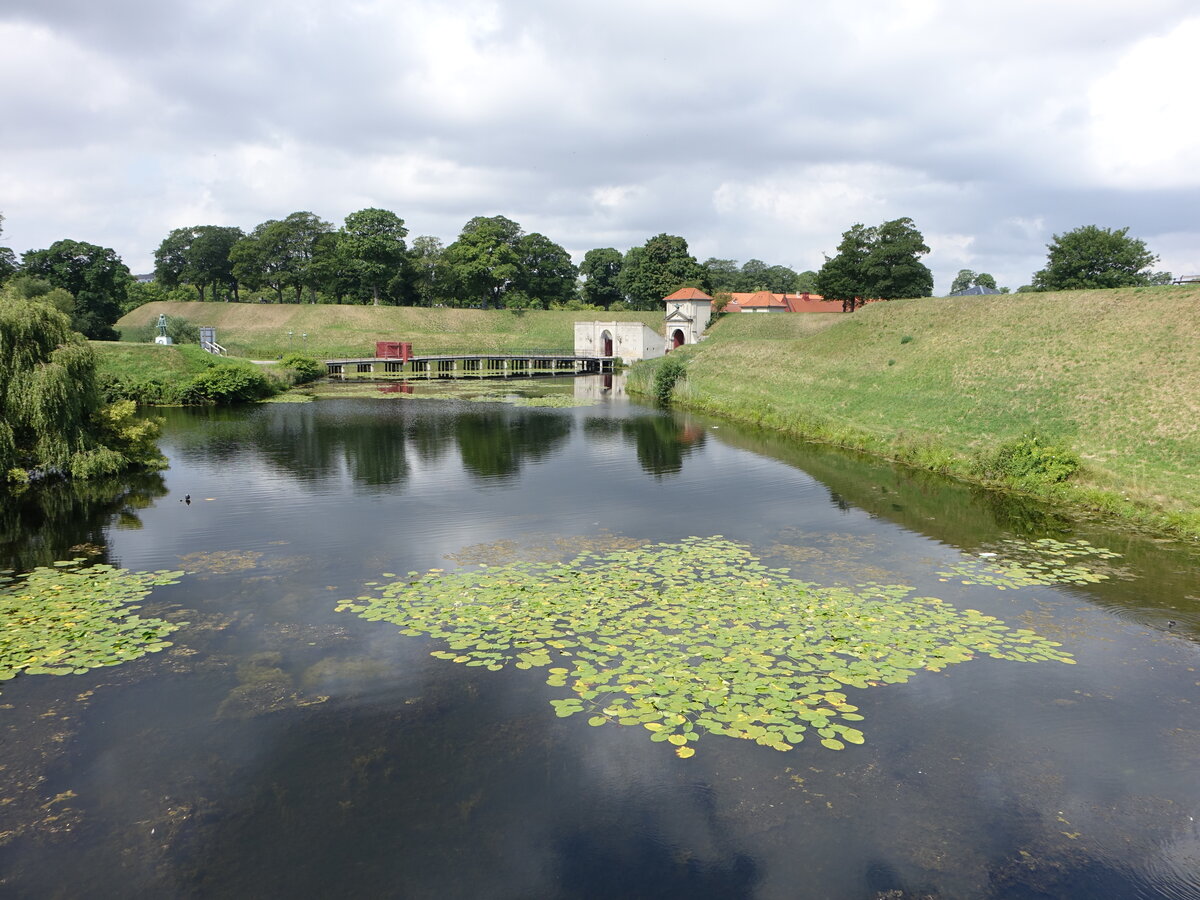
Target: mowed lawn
(267, 331)
(146, 362)
(1113, 374)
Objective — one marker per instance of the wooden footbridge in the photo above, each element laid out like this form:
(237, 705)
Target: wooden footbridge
(526, 364)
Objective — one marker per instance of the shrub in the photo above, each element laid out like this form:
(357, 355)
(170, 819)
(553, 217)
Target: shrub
(181, 331)
(907, 339)
(1029, 460)
(227, 384)
(669, 371)
(142, 391)
(306, 368)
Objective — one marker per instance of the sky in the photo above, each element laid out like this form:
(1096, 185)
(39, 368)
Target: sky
(754, 129)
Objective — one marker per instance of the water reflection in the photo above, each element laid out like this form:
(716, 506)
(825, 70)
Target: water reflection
(60, 520)
(494, 444)
(372, 440)
(662, 442)
(283, 749)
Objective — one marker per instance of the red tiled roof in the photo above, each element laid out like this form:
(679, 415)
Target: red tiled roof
(688, 294)
(811, 303)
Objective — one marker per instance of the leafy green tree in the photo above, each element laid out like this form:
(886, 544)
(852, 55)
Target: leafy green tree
(754, 275)
(334, 271)
(601, 270)
(966, 278)
(52, 416)
(373, 242)
(963, 280)
(657, 269)
(279, 254)
(430, 280)
(484, 262)
(198, 256)
(883, 261)
(547, 274)
(26, 287)
(843, 276)
(894, 267)
(95, 276)
(1096, 258)
(806, 282)
(779, 279)
(8, 259)
(724, 276)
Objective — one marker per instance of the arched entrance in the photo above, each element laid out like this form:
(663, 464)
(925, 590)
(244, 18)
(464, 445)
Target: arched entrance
(606, 343)
(677, 338)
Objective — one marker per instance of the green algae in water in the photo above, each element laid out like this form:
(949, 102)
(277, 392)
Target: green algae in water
(1015, 564)
(68, 618)
(694, 637)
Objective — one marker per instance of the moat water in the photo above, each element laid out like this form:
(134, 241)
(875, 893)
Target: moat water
(283, 748)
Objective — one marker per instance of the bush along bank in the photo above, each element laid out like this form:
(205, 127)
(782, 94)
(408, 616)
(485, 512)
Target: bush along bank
(199, 379)
(1031, 465)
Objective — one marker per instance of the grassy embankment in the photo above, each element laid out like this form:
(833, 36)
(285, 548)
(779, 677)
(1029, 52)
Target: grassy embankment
(268, 331)
(941, 383)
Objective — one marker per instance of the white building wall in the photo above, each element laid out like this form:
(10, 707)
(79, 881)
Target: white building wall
(631, 340)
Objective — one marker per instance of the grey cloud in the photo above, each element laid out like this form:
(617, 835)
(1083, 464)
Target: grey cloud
(977, 112)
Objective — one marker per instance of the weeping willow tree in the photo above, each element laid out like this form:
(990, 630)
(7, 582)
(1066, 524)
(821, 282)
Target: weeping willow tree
(52, 415)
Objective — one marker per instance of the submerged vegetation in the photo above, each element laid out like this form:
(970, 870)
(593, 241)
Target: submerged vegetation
(694, 637)
(68, 618)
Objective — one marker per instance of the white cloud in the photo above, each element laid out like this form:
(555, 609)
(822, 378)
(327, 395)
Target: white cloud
(1143, 129)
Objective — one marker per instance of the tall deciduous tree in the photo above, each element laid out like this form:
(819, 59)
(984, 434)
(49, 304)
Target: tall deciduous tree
(373, 243)
(484, 262)
(279, 254)
(966, 278)
(963, 280)
(547, 274)
(844, 275)
(724, 276)
(658, 268)
(601, 270)
(95, 276)
(430, 280)
(779, 279)
(883, 261)
(8, 259)
(1093, 257)
(894, 267)
(198, 256)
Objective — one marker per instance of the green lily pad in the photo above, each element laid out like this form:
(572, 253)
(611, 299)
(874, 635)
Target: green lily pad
(696, 637)
(68, 618)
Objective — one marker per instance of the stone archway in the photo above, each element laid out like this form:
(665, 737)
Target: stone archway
(606, 343)
(677, 338)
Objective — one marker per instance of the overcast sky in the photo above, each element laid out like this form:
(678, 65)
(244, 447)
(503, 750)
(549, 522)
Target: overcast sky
(754, 128)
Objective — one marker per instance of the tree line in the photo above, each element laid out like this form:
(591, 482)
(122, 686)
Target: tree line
(495, 263)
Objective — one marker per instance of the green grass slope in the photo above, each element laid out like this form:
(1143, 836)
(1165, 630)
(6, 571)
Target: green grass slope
(143, 362)
(261, 331)
(1114, 375)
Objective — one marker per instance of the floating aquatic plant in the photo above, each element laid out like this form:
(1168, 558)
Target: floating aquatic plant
(693, 637)
(69, 618)
(1015, 564)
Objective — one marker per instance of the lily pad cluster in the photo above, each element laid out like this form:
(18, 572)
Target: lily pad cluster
(68, 618)
(693, 637)
(1016, 564)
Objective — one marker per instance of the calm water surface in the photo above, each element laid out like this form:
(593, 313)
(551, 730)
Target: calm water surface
(283, 749)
